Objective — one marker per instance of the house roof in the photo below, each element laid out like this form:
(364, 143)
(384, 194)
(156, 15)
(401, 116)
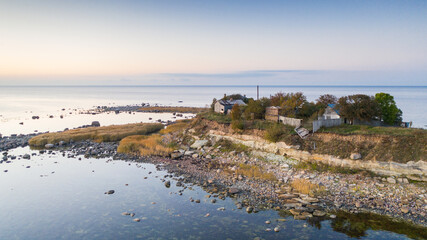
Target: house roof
(231, 102)
(333, 106)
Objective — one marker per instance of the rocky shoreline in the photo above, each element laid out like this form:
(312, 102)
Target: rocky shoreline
(214, 170)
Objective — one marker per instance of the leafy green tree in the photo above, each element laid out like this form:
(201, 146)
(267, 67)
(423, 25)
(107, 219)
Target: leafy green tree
(213, 104)
(236, 118)
(257, 108)
(326, 99)
(390, 114)
(359, 106)
(292, 104)
(236, 114)
(308, 110)
(278, 99)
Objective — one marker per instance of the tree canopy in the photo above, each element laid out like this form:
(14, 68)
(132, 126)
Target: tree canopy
(390, 114)
(359, 106)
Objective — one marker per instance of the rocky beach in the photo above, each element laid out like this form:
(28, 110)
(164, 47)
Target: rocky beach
(215, 170)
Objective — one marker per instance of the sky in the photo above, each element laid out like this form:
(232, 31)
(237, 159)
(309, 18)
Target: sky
(213, 42)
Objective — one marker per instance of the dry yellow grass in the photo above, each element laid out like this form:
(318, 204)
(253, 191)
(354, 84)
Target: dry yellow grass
(174, 109)
(144, 146)
(254, 171)
(99, 134)
(176, 127)
(304, 186)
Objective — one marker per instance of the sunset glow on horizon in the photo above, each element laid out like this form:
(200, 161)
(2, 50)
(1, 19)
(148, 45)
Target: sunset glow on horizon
(132, 38)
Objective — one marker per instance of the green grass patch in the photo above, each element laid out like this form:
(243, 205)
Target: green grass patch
(217, 117)
(228, 146)
(369, 130)
(320, 167)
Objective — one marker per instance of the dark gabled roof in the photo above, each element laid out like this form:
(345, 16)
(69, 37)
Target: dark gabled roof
(333, 106)
(231, 102)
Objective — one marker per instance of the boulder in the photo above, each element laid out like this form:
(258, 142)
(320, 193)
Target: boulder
(199, 144)
(318, 213)
(176, 155)
(49, 145)
(95, 124)
(233, 190)
(26, 156)
(391, 180)
(355, 156)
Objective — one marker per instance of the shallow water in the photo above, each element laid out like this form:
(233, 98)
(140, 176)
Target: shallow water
(63, 198)
(75, 120)
(24, 101)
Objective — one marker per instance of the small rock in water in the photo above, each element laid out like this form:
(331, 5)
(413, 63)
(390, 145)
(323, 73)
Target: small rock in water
(207, 215)
(132, 214)
(267, 222)
(125, 213)
(268, 230)
(109, 192)
(276, 229)
(48, 146)
(333, 216)
(168, 184)
(197, 201)
(249, 209)
(136, 220)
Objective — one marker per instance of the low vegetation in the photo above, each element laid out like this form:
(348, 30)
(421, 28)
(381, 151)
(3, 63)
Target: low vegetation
(228, 146)
(254, 171)
(178, 126)
(216, 117)
(304, 186)
(98, 134)
(319, 167)
(151, 145)
(369, 130)
(174, 109)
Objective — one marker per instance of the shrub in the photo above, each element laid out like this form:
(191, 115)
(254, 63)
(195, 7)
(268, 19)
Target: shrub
(144, 146)
(304, 186)
(274, 133)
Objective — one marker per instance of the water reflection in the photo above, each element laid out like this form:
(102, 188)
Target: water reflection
(59, 197)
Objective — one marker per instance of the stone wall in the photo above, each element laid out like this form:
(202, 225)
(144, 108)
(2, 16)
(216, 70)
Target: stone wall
(295, 122)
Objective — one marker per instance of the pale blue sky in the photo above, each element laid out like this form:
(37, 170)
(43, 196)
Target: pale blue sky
(205, 42)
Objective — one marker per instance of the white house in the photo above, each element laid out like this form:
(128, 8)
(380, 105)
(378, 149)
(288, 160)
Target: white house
(331, 112)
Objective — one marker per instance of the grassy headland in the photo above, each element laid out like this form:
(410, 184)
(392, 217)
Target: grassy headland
(98, 134)
(174, 109)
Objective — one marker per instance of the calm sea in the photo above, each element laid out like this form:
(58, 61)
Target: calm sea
(21, 102)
